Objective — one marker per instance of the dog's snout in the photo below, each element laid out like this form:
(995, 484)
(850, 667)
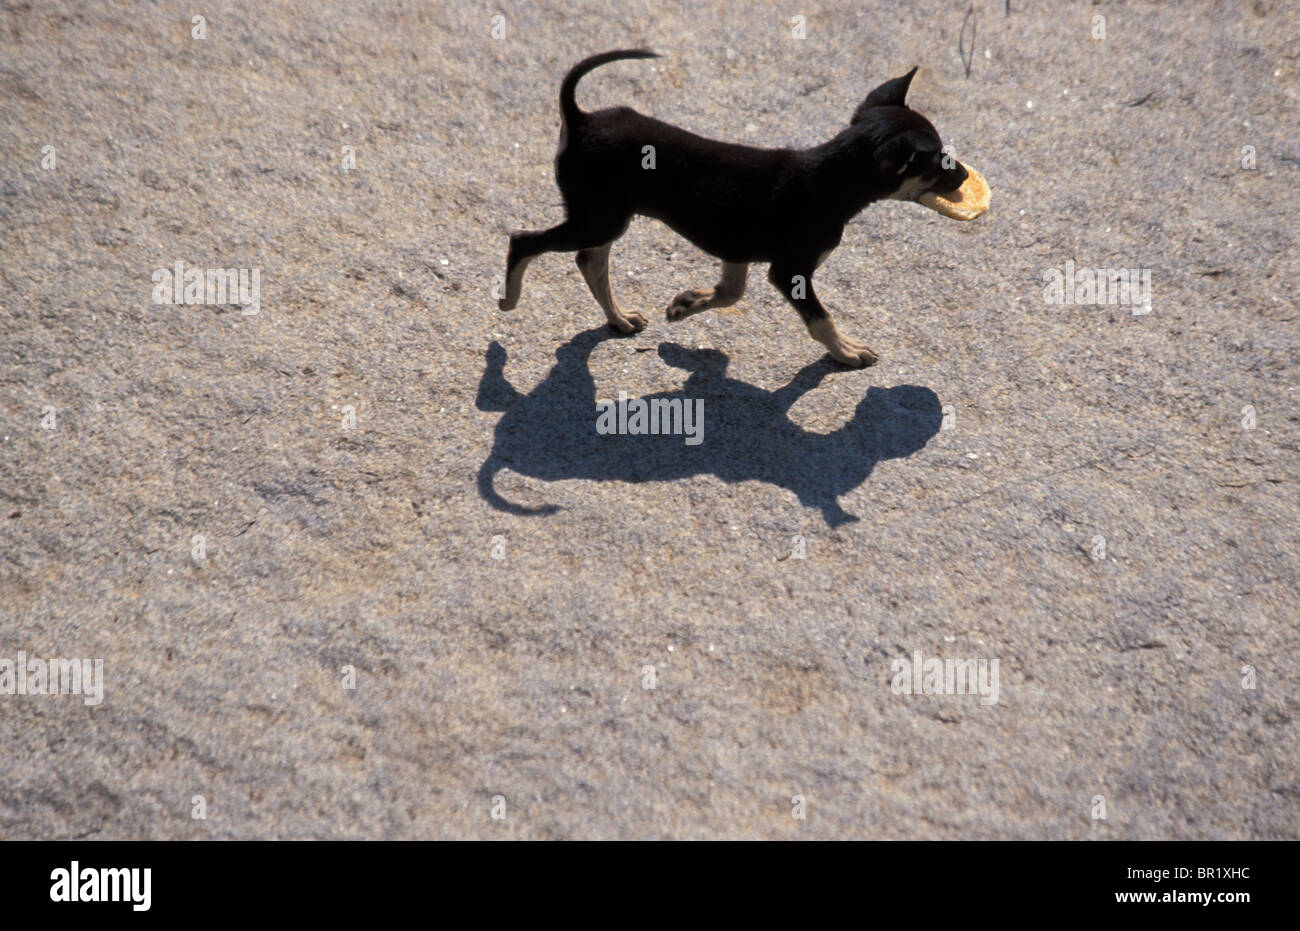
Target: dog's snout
(950, 178)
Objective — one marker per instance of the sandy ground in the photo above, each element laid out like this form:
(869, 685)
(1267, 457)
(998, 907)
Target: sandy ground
(1101, 498)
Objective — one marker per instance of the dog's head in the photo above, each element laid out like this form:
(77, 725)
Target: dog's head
(906, 151)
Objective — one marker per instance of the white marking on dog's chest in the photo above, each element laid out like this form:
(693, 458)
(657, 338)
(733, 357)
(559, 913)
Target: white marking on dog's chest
(910, 189)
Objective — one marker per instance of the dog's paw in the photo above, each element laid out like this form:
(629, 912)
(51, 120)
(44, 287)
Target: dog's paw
(688, 303)
(630, 322)
(843, 350)
(506, 304)
(853, 353)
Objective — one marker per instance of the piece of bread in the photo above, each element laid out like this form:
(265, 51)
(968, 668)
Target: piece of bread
(967, 202)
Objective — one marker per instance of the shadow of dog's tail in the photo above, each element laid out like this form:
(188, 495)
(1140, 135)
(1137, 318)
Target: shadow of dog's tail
(487, 474)
(497, 394)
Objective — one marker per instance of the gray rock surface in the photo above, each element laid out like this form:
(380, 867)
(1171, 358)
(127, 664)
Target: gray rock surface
(1068, 489)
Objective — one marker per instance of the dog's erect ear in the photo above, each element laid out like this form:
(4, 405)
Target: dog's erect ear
(890, 94)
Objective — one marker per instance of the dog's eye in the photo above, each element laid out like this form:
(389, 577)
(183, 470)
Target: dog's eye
(908, 162)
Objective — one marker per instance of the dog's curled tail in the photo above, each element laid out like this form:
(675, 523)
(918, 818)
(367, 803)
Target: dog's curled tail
(569, 106)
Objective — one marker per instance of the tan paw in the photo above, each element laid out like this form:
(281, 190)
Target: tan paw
(688, 303)
(842, 349)
(856, 353)
(629, 322)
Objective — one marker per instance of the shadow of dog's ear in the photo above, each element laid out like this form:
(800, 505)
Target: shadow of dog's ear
(693, 360)
(890, 94)
(494, 392)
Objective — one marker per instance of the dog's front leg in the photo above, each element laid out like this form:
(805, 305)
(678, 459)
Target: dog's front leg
(594, 265)
(729, 290)
(794, 281)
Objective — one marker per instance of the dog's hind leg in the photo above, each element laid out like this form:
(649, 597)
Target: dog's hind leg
(527, 245)
(594, 265)
(728, 290)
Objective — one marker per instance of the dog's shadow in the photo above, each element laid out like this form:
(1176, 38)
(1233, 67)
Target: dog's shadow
(550, 433)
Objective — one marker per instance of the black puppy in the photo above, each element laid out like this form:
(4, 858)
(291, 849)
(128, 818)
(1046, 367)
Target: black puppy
(741, 204)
